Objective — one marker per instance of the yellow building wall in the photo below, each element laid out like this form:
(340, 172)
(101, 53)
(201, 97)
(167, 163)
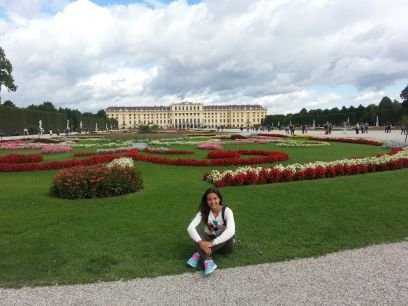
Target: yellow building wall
(188, 115)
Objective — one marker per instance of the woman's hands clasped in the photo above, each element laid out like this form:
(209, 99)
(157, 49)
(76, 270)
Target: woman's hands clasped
(206, 246)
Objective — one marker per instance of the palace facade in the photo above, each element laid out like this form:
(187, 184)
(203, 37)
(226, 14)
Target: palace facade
(186, 115)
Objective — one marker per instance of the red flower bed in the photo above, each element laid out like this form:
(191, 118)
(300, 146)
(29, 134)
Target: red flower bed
(395, 151)
(268, 157)
(222, 154)
(348, 140)
(14, 167)
(84, 154)
(147, 150)
(21, 158)
(87, 154)
(275, 175)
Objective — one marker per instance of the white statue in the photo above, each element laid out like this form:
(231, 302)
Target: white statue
(68, 124)
(40, 125)
(80, 125)
(96, 127)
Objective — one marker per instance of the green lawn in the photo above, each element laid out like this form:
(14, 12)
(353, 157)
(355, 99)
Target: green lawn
(44, 240)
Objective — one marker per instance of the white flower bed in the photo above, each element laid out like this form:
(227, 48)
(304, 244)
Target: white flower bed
(101, 145)
(301, 143)
(216, 175)
(179, 142)
(121, 162)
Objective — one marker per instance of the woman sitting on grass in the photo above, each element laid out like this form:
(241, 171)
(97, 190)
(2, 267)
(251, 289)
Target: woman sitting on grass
(219, 231)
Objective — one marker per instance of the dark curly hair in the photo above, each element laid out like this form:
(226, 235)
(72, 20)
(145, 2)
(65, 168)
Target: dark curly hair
(204, 208)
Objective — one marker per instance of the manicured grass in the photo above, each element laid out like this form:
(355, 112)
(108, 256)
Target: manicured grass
(44, 240)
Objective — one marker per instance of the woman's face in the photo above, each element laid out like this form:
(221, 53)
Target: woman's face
(213, 200)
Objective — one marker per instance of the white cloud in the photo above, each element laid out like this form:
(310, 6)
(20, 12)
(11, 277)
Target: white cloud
(231, 51)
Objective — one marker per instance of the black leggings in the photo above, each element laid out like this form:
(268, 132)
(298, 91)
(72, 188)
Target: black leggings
(223, 248)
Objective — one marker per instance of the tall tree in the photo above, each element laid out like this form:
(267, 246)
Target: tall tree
(404, 97)
(404, 94)
(9, 103)
(47, 106)
(101, 114)
(6, 78)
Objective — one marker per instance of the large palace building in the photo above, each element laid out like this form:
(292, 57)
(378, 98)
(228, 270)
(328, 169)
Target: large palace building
(186, 115)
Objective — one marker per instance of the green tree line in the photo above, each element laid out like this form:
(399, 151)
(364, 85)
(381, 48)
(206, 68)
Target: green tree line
(14, 119)
(387, 111)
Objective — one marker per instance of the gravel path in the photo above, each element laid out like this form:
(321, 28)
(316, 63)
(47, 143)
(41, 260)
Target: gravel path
(376, 275)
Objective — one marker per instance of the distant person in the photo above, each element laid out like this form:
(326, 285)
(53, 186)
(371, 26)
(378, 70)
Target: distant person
(219, 230)
(366, 127)
(403, 128)
(357, 127)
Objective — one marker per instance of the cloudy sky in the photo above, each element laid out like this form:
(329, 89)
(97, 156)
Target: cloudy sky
(283, 54)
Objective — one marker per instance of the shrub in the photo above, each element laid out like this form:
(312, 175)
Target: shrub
(96, 182)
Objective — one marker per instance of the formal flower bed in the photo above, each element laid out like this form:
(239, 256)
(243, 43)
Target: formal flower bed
(273, 135)
(167, 151)
(237, 136)
(15, 167)
(100, 145)
(348, 140)
(20, 145)
(102, 152)
(222, 154)
(181, 142)
(46, 140)
(97, 181)
(301, 143)
(122, 162)
(21, 158)
(255, 139)
(84, 154)
(266, 157)
(209, 146)
(396, 159)
(55, 149)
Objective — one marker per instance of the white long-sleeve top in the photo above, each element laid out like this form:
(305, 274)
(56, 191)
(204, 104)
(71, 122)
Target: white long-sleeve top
(228, 233)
